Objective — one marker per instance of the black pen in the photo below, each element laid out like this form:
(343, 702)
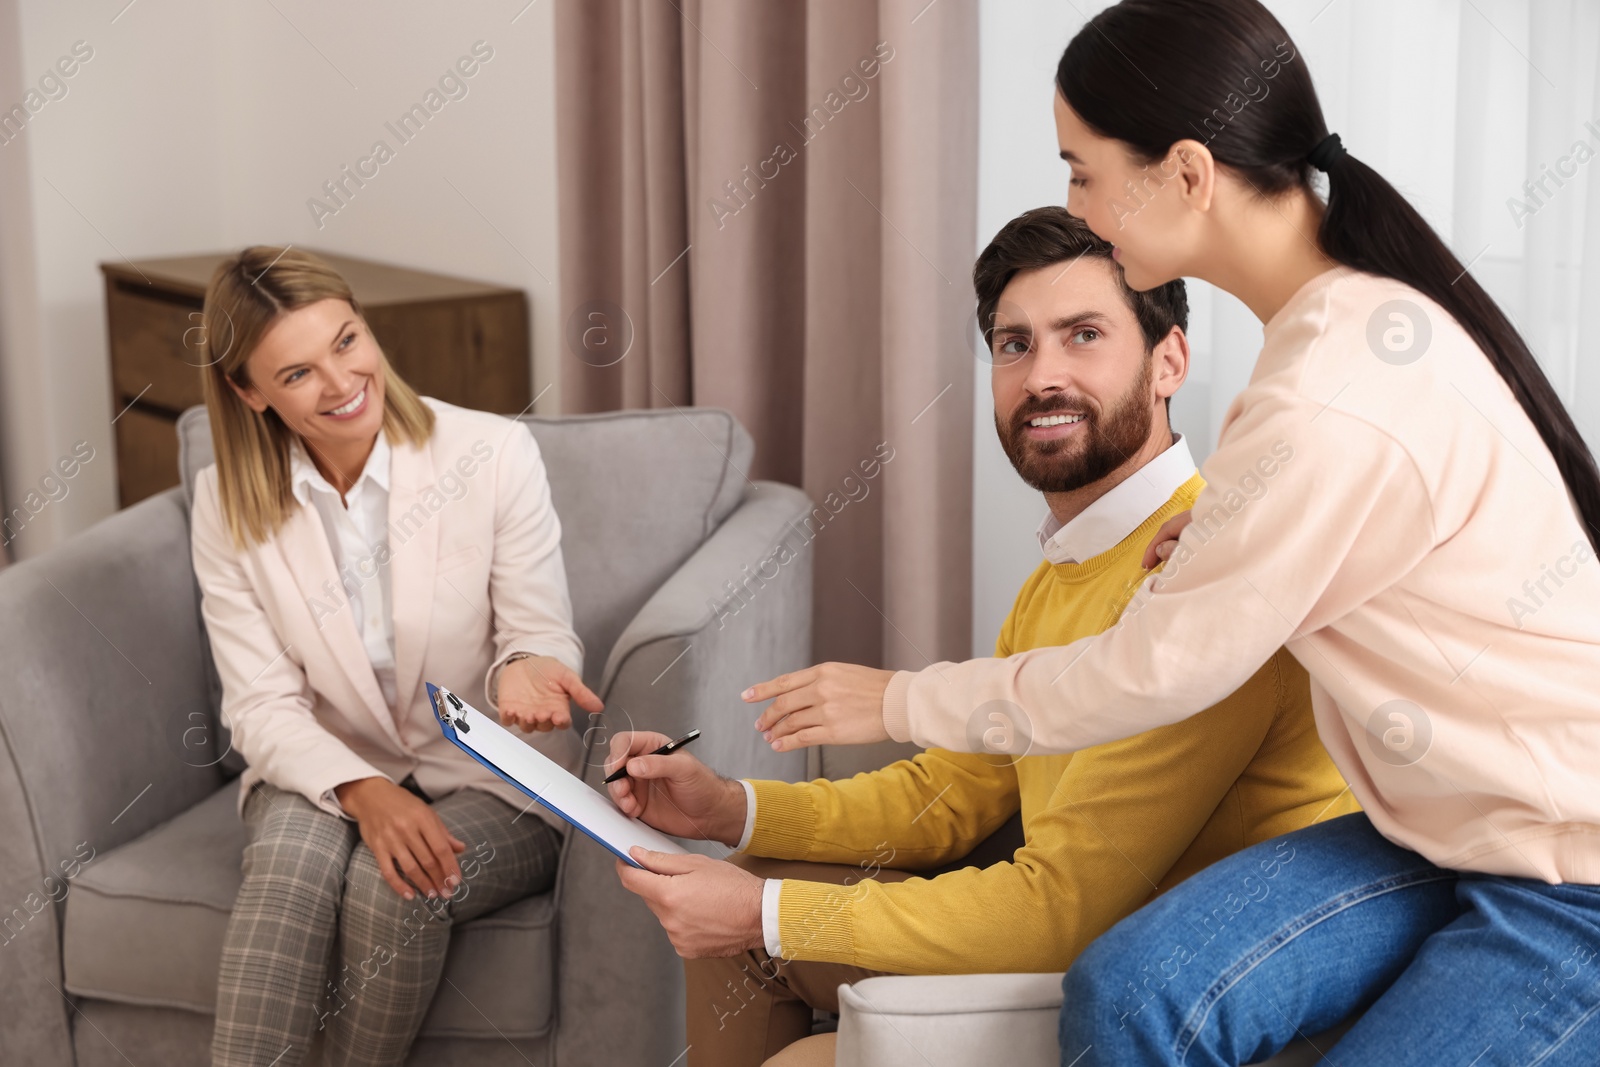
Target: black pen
(665, 750)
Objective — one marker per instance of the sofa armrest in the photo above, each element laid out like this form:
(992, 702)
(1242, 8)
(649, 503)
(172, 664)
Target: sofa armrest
(977, 1019)
(950, 1019)
(681, 662)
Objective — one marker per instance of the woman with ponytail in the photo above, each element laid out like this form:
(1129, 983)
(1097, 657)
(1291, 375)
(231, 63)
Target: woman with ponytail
(1399, 497)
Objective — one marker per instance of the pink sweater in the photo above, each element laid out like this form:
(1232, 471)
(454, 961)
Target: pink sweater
(1379, 503)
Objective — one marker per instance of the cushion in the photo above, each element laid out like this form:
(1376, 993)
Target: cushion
(105, 1034)
(145, 922)
(194, 448)
(637, 492)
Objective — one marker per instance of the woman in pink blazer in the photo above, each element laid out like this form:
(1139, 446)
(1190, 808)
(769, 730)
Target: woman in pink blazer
(352, 541)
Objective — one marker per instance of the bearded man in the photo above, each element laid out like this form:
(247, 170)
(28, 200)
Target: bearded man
(836, 881)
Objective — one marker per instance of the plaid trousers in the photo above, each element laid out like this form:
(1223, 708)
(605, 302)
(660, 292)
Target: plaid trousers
(318, 942)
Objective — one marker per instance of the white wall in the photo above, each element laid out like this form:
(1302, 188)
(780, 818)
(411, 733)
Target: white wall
(199, 127)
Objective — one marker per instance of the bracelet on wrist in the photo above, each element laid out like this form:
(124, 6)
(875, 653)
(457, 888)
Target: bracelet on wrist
(494, 679)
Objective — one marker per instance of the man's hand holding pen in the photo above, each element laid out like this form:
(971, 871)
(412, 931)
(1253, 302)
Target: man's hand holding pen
(676, 794)
(707, 907)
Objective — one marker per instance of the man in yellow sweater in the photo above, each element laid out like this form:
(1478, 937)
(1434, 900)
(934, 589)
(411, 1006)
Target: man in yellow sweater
(1083, 371)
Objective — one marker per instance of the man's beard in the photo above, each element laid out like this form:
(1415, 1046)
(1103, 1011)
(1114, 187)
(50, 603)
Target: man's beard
(1105, 441)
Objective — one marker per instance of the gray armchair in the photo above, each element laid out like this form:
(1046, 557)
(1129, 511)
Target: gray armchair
(119, 842)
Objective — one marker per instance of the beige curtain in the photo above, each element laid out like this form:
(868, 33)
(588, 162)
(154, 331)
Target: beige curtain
(771, 208)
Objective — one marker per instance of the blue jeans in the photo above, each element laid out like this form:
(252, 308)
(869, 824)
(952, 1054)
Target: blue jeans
(1292, 936)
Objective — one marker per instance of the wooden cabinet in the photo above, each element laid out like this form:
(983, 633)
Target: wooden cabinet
(461, 341)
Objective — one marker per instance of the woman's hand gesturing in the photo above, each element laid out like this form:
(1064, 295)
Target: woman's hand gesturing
(533, 694)
(829, 704)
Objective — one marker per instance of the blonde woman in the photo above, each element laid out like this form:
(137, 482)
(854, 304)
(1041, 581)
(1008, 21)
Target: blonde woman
(352, 540)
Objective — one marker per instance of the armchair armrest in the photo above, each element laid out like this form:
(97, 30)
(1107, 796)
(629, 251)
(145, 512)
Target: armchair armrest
(737, 611)
(104, 668)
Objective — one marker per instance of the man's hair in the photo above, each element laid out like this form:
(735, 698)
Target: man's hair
(1048, 235)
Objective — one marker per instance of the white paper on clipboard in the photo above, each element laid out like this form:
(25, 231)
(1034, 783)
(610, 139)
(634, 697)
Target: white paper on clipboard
(546, 781)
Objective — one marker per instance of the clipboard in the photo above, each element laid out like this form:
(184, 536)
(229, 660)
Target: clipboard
(546, 781)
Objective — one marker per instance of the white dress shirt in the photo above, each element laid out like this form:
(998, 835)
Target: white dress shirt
(1102, 525)
(1097, 528)
(772, 886)
(358, 535)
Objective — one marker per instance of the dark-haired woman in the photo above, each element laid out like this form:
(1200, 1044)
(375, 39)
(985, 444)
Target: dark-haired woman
(1425, 550)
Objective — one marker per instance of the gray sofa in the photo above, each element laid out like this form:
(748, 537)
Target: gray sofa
(119, 842)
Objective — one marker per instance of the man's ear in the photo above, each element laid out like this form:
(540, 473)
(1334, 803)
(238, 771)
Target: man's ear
(249, 394)
(1170, 363)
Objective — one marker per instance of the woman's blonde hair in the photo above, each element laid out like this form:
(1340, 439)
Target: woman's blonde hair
(246, 296)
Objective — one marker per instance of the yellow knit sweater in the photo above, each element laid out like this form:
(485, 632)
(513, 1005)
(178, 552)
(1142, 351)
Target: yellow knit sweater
(1106, 829)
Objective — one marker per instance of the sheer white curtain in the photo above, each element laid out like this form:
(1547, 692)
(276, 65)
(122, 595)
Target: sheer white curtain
(1466, 106)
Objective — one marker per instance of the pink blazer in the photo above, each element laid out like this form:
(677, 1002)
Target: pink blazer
(476, 574)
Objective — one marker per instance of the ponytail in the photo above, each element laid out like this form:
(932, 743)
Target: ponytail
(1204, 50)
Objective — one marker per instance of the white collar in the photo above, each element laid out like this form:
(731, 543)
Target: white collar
(304, 476)
(1103, 525)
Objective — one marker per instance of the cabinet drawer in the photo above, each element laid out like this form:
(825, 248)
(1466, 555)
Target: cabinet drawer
(147, 455)
(148, 351)
(473, 353)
